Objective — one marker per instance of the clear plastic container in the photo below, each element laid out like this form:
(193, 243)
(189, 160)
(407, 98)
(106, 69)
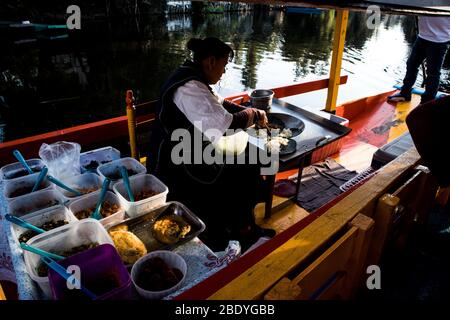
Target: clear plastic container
(172, 260)
(16, 169)
(87, 181)
(40, 217)
(62, 239)
(13, 187)
(100, 267)
(138, 184)
(112, 170)
(90, 160)
(90, 201)
(35, 201)
(62, 159)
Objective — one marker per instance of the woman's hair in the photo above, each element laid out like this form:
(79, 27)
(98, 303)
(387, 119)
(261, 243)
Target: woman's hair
(203, 48)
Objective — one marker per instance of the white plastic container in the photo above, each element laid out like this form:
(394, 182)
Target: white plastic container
(12, 171)
(86, 180)
(172, 259)
(90, 160)
(62, 239)
(112, 170)
(40, 217)
(90, 201)
(35, 201)
(11, 186)
(139, 183)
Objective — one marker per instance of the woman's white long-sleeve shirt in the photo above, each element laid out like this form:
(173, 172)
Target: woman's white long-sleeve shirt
(202, 108)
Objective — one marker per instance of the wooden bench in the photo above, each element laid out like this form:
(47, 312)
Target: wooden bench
(335, 273)
(396, 212)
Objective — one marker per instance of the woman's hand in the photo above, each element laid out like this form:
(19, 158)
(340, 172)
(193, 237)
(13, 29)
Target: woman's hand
(261, 117)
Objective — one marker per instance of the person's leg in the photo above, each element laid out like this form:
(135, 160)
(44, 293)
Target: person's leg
(417, 56)
(435, 53)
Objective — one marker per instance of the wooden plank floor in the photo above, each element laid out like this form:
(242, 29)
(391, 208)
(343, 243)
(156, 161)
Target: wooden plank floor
(282, 219)
(357, 156)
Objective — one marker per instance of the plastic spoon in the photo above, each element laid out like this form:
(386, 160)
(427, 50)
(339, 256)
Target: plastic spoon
(40, 178)
(126, 182)
(40, 252)
(62, 185)
(19, 157)
(23, 223)
(67, 276)
(96, 214)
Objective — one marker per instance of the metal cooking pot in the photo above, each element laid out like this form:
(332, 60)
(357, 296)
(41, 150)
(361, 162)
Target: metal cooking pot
(261, 98)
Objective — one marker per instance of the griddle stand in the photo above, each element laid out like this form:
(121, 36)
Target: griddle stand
(310, 140)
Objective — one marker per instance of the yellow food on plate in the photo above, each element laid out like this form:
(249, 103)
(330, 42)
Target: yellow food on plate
(129, 246)
(170, 229)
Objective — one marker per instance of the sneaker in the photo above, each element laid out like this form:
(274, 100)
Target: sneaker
(399, 97)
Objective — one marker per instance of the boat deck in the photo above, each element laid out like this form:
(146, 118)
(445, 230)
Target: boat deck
(372, 127)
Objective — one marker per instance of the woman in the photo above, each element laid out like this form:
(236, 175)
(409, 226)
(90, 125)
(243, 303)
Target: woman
(223, 196)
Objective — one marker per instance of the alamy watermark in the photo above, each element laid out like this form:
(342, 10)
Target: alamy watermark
(374, 17)
(374, 280)
(373, 13)
(74, 281)
(191, 149)
(74, 20)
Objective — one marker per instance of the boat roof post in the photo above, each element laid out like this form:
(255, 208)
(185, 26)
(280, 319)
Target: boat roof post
(336, 60)
(2, 294)
(131, 115)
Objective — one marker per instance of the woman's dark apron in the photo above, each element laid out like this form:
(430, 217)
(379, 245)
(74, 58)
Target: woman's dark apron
(223, 196)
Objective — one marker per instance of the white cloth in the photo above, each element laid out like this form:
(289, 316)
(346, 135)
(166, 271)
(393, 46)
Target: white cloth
(435, 29)
(203, 109)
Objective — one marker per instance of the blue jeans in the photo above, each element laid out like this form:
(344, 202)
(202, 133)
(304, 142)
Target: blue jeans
(434, 53)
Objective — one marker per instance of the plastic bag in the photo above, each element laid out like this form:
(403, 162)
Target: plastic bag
(61, 158)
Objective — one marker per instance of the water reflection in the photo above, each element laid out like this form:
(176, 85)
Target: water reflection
(49, 85)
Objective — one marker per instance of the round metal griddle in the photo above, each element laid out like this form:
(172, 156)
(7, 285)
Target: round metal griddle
(291, 147)
(286, 121)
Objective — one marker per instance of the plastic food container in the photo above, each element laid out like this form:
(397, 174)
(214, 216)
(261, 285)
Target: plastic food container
(103, 273)
(65, 238)
(21, 186)
(90, 201)
(87, 181)
(40, 217)
(141, 183)
(112, 170)
(172, 260)
(142, 226)
(16, 169)
(90, 160)
(35, 201)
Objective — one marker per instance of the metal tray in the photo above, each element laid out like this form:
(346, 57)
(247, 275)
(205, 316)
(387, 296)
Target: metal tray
(141, 226)
(318, 131)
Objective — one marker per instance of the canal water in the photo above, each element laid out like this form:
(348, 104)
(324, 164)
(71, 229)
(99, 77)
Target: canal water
(49, 83)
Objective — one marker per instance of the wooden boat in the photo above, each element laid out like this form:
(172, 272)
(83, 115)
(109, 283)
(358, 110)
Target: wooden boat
(322, 254)
(302, 10)
(25, 32)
